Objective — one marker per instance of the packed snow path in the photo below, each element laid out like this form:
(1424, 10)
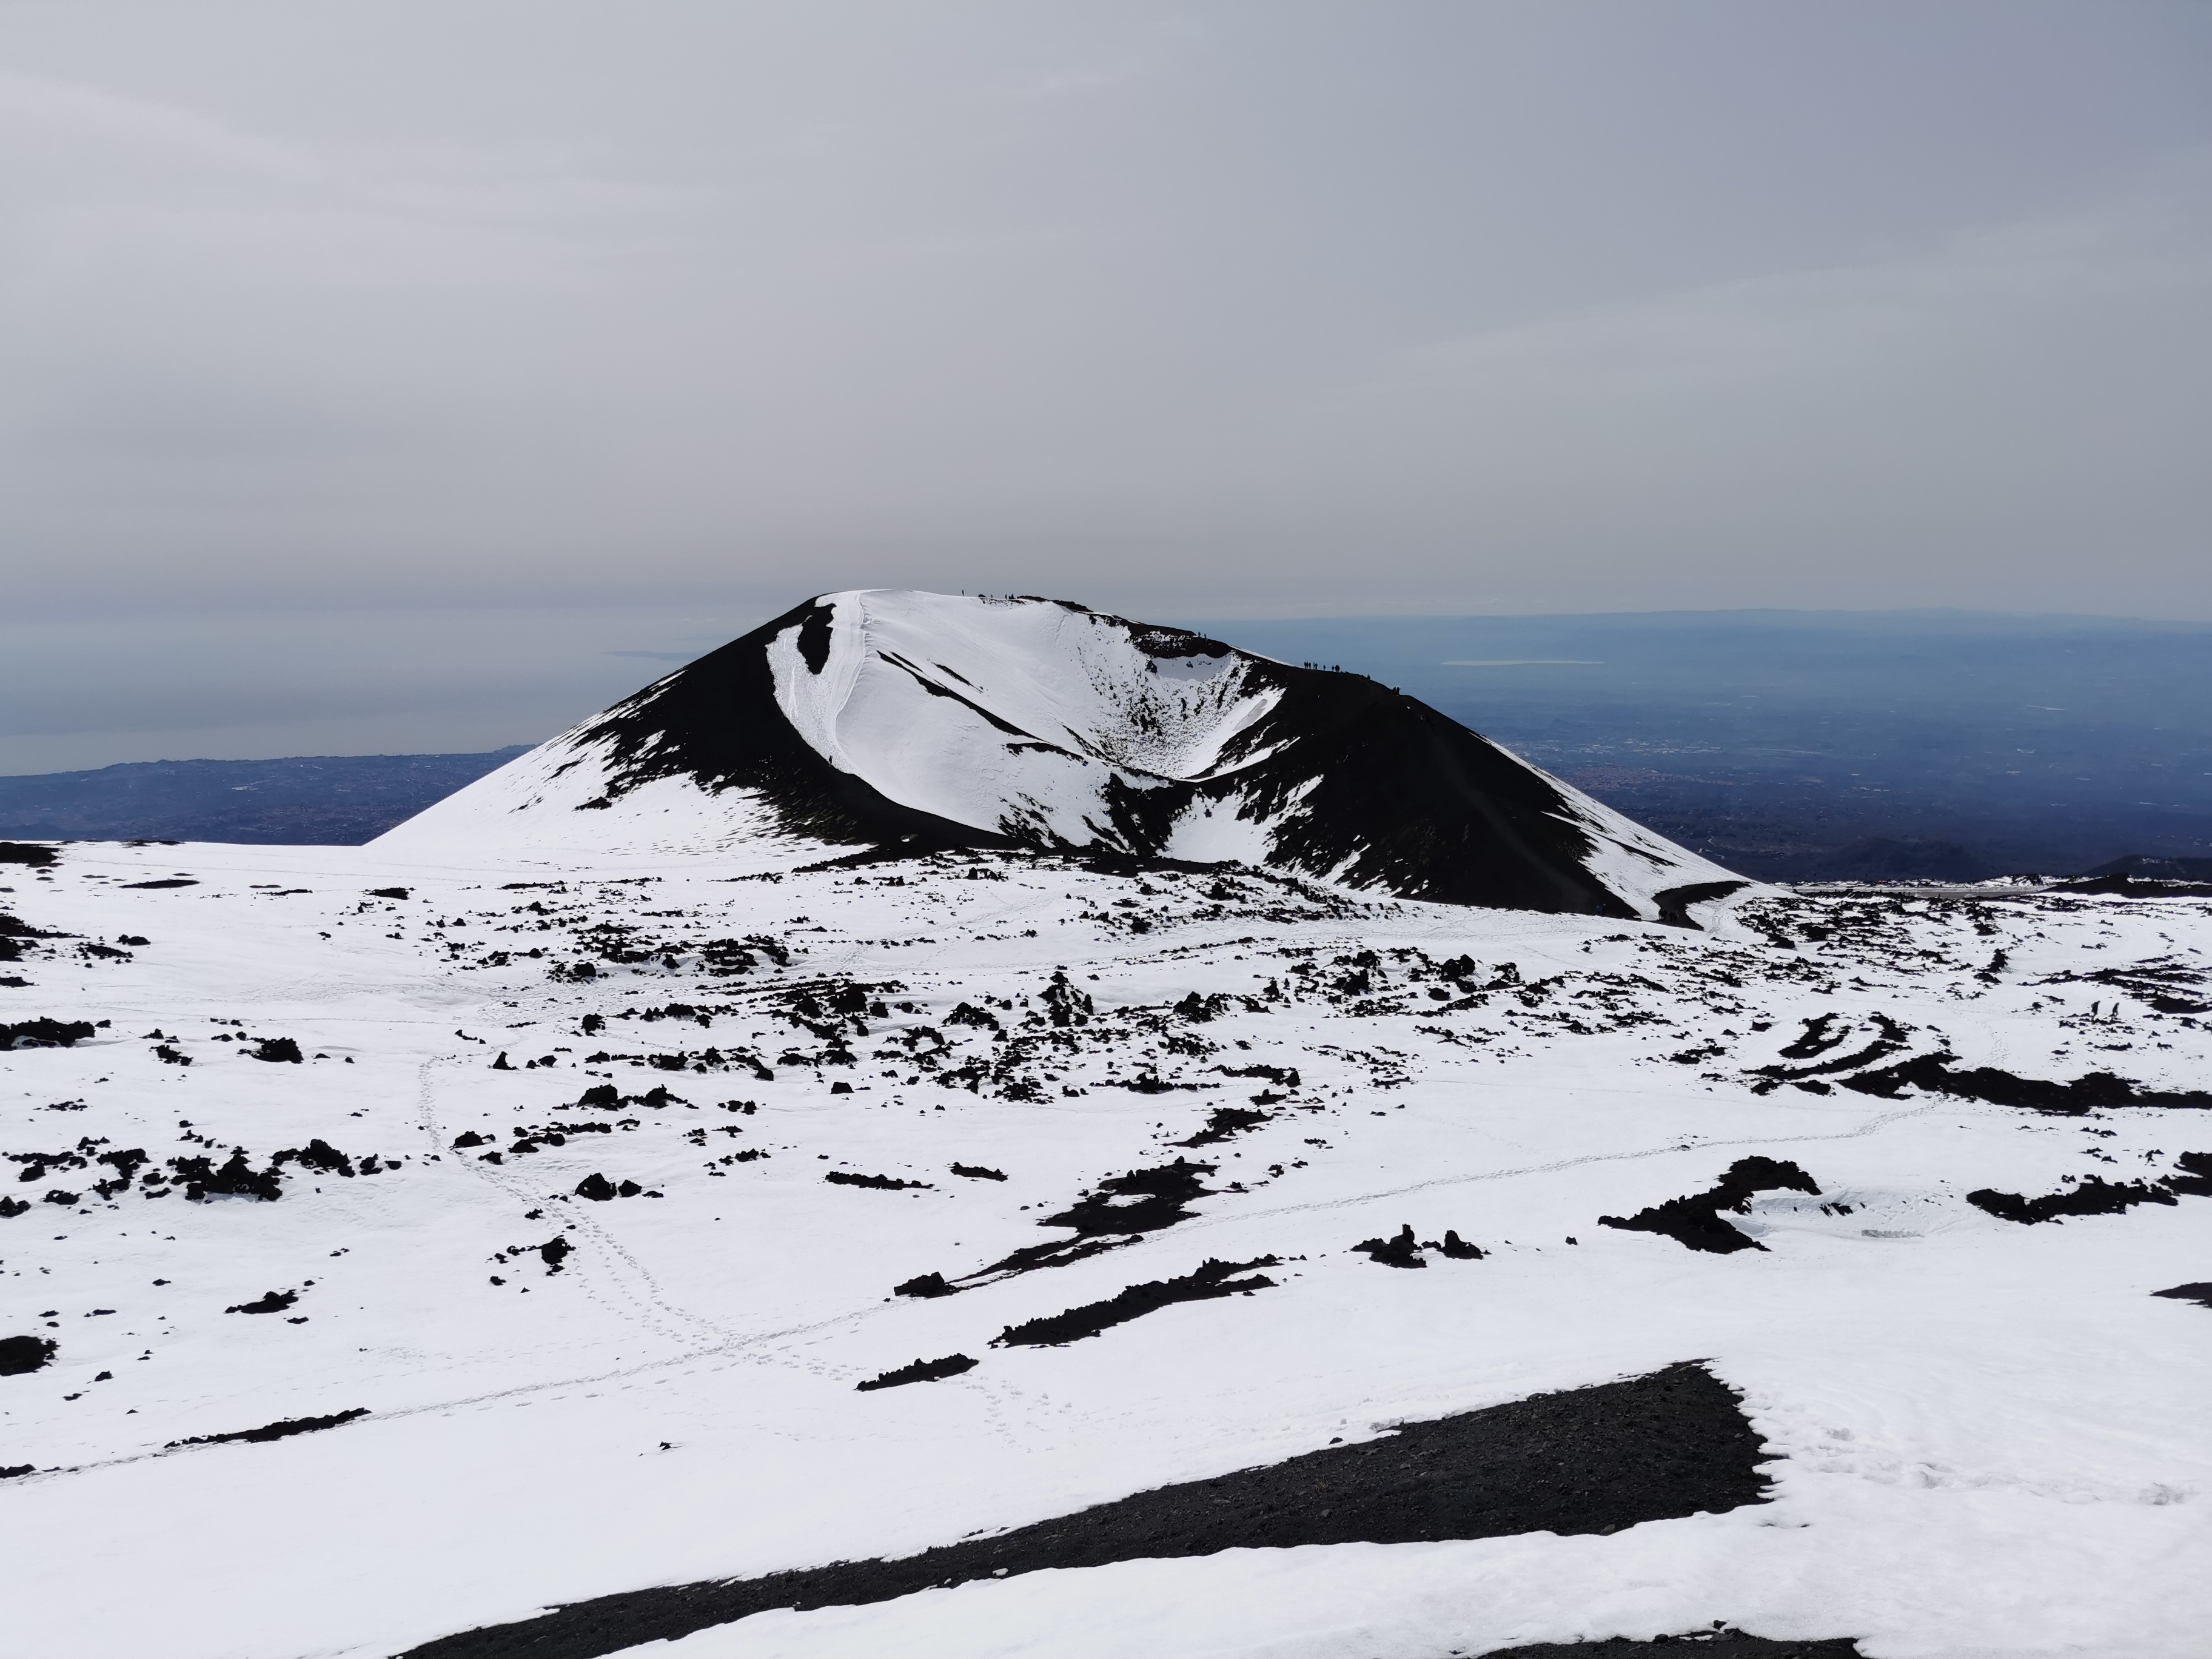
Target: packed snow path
(554, 1264)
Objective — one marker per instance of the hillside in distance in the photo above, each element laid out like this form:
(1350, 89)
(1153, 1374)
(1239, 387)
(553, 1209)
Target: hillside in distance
(303, 801)
(885, 719)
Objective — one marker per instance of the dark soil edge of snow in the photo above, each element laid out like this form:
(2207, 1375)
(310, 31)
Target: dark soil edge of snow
(1731, 1644)
(1673, 1442)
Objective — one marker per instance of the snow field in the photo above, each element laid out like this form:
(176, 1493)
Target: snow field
(1987, 1438)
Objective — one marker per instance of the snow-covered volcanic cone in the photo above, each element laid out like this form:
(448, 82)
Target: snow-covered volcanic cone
(883, 717)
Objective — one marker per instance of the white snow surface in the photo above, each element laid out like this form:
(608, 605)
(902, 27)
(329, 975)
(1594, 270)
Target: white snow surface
(1014, 716)
(1985, 1438)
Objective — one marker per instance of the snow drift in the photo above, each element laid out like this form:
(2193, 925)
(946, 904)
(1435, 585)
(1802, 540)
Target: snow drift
(911, 720)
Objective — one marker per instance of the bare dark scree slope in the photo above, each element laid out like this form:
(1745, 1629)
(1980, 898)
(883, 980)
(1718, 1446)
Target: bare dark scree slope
(1595, 1460)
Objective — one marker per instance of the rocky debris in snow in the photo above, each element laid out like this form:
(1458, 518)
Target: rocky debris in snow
(1211, 1278)
(268, 1302)
(43, 1033)
(2197, 1174)
(977, 1172)
(1401, 1250)
(1936, 1074)
(1717, 1643)
(237, 1178)
(884, 1184)
(922, 1370)
(2095, 1196)
(1225, 1121)
(1817, 1041)
(282, 1429)
(598, 1188)
(2200, 1293)
(926, 1284)
(1141, 1201)
(21, 1354)
(320, 1156)
(18, 852)
(1695, 1220)
(1595, 1460)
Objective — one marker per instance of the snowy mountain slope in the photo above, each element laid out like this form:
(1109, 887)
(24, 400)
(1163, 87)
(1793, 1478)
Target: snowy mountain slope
(1985, 1436)
(925, 720)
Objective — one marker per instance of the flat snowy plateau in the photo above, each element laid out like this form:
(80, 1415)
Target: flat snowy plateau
(1984, 1434)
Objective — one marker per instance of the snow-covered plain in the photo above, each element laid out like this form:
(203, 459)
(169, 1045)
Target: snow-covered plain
(1985, 1438)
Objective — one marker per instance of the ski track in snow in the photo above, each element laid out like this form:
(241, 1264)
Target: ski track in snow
(1986, 1437)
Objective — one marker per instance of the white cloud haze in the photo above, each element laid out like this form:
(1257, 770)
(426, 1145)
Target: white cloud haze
(1213, 309)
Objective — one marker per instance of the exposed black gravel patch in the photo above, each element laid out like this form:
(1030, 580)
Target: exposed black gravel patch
(172, 881)
(599, 1189)
(1401, 1250)
(978, 1172)
(268, 1302)
(1224, 1122)
(926, 1284)
(1214, 1278)
(317, 1154)
(2095, 1196)
(278, 1049)
(2197, 1174)
(884, 1184)
(19, 1355)
(281, 1430)
(1591, 1460)
(1141, 1201)
(2093, 1090)
(1727, 1644)
(17, 851)
(1695, 1220)
(43, 1033)
(236, 1178)
(2123, 886)
(922, 1370)
(2200, 1293)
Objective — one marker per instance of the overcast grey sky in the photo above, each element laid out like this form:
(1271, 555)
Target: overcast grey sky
(694, 306)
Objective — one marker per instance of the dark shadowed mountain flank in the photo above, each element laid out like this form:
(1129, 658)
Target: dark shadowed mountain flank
(1593, 1459)
(888, 719)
